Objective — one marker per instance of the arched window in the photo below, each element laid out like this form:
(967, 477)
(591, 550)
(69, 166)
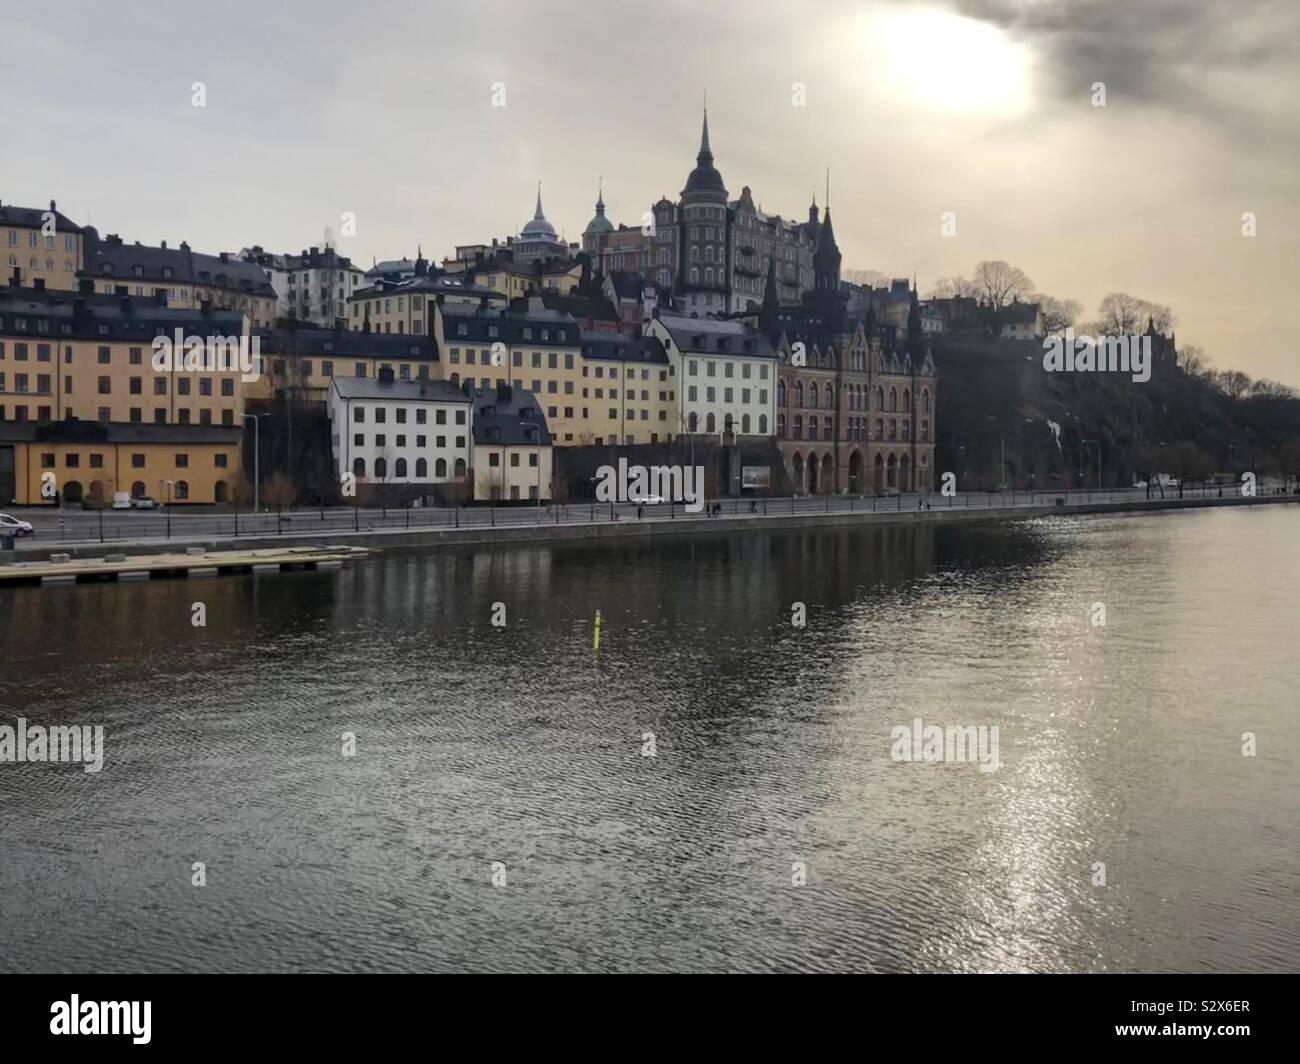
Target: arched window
(182, 490)
(780, 393)
(708, 275)
(440, 469)
(907, 399)
(830, 397)
(137, 490)
(893, 399)
(695, 254)
(812, 427)
(220, 492)
(381, 468)
(744, 424)
(812, 395)
(762, 424)
(925, 400)
(710, 423)
(460, 467)
(695, 275)
(798, 393)
(401, 467)
(708, 254)
(780, 424)
(359, 467)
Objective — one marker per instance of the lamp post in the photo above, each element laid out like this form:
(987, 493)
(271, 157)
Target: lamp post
(257, 463)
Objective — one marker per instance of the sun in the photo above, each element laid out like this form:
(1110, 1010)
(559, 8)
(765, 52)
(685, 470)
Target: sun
(940, 61)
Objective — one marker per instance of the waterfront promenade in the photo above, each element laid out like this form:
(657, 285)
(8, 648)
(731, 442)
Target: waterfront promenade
(92, 534)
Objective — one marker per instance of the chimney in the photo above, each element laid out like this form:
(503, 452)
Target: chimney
(224, 256)
(163, 244)
(185, 246)
(385, 374)
(53, 206)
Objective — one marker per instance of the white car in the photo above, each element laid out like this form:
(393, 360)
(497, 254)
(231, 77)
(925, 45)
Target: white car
(121, 500)
(11, 526)
(650, 500)
(143, 502)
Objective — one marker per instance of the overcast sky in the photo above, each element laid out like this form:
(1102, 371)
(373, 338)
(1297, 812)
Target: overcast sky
(979, 107)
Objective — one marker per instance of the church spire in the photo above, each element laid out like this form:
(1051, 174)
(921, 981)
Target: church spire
(705, 157)
(538, 216)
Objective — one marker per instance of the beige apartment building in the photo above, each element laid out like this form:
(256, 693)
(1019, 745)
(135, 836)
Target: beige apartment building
(41, 245)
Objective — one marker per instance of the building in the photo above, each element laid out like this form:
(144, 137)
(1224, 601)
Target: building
(629, 394)
(496, 267)
(386, 431)
(313, 286)
(512, 445)
(186, 278)
(301, 362)
(1019, 321)
(528, 347)
(610, 248)
(724, 372)
(712, 251)
(393, 269)
(406, 307)
(90, 356)
(856, 394)
(41, 246)
(538, 238)
(89, 461)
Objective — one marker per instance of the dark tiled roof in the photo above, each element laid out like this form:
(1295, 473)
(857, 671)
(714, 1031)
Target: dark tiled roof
(58, 314)
(76, 431)
(340, 343)
(479, 322)
(509, 416)
(34, 218)
(712, 337)
(116, 260)
(600, 309)
(1018, 314)
(616, 347)
(432, 286)
(399, 391)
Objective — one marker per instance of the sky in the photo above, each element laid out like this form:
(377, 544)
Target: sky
(982, 108)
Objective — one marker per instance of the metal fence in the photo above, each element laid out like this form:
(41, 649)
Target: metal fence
(106, 526)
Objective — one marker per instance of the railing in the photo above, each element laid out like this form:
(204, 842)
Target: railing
(108, 526)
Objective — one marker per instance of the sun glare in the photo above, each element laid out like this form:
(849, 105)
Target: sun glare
(943, 61)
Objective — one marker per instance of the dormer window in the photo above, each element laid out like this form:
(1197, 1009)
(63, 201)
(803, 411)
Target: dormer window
(137, 271)
(167, 272)
(107, 269)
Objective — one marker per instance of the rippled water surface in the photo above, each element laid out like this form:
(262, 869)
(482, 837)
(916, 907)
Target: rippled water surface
(1118, 744)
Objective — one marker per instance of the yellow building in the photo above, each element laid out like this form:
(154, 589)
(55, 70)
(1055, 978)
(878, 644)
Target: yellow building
(406, 307)
(42, 246)
(628, 390)
(187, 278)
(536, 350)
(302, 362)
(512, 445)
(496, 268)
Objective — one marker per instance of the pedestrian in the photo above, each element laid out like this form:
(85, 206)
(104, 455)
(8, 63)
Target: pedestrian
(640, 509)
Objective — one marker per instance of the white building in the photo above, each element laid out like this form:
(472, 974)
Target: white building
(312, 287)
(388, 431)
(725, 373)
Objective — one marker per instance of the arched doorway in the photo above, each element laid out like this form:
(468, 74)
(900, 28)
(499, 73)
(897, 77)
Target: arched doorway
(891, 472)
(855, 472)
(137, 489)
(72, 491)
(812, 474)
(220, 492)
(828, 475)
(878, 477)
(796, 470)
(905, 473)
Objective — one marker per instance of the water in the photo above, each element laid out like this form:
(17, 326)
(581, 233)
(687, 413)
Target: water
(516, 745)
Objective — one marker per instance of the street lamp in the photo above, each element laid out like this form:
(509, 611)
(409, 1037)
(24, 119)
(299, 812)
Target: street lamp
(257, 463)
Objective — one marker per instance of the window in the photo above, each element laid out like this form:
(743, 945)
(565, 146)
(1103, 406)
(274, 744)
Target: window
(106, 385)
(182, 461)
(137, 462)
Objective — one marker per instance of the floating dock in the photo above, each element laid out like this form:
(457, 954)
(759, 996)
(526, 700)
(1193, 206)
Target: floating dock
(65, 569)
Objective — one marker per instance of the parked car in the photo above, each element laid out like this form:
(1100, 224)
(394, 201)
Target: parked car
(650, 500)
(144, 502)
(11, 526)
(121, 500)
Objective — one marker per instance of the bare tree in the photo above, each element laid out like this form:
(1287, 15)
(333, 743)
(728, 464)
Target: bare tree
(1233, 382)
(1193, 361)
(1267, 389)
(953, 288)
(1058, 314)
(1126, 315)
(998, 282)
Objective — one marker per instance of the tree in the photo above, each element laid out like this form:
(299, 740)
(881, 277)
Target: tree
(953, 288)
(1267, 389)
(1233, 383)
(1193, 361)
(1126, 315)
(998, 282)
(1058, 314)
(279, 491)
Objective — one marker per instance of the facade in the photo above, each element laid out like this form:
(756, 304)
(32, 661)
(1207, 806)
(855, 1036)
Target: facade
(406, 307)
(313, 286)
(512, 445)
(389, 431)
(497, 267)
(301, 362)
(41, 246)
(90, 357)
(184, 277)
(725, 375)
(90, 461)
(1019, 321)
(610, 248)
(856, 395)
(628, 392)
(541, 352)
